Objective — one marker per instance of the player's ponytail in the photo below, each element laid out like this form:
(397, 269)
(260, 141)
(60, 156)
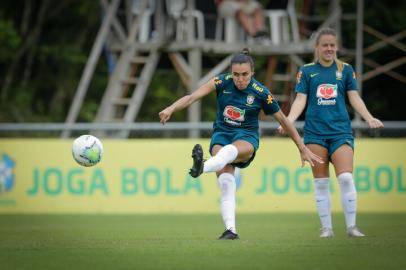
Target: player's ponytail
(242, 58)
(245, 51)
(316, 37)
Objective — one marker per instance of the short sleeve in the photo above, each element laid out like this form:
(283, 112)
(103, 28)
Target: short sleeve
(350, 78)
(220, 82)
(270, 105)
(301, 82)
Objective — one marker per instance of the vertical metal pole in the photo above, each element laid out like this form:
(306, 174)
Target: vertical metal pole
(194, 111)
(359, 48)
(90, 66)
(195, 60)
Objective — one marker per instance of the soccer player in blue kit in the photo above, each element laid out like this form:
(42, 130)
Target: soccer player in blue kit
(323, 86)
(235, 139)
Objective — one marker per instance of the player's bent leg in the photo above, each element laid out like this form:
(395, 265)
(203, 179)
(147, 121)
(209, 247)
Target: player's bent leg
(198, 162)
(218, 161)
(245, 150)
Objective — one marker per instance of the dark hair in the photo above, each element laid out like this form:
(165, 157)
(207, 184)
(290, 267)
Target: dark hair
(242, 58)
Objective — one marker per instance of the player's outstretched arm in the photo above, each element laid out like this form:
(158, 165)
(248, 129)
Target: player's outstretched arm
(359, 106)
(305, 153)
(296, 110)
(186, 101)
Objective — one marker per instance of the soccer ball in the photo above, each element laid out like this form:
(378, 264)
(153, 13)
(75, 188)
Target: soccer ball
(87, 150)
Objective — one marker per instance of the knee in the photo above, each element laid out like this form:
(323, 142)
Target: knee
(227, 169)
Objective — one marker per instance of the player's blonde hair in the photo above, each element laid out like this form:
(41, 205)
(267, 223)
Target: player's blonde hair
(323, 32)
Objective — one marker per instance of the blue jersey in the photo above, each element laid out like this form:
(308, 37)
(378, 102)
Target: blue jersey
(239, 109)
(326, 89)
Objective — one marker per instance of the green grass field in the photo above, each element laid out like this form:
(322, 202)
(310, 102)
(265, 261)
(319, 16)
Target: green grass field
(268, 241)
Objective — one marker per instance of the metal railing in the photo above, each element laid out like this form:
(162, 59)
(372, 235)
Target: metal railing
(391, 129)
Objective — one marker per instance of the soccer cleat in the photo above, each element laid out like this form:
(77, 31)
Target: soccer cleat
(326, 232)
(228, 235)
(354, 232)
(198, 162)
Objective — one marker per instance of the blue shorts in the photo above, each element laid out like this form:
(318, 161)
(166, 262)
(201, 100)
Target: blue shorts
(330, 144)
(223, 138)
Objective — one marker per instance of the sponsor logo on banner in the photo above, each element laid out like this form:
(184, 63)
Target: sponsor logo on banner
(6, 174)
(133, 179)
(326, 94)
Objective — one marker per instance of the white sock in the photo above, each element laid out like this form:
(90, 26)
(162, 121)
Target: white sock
(348, 197)
(227, 203)
(226, 155)
(322, 197)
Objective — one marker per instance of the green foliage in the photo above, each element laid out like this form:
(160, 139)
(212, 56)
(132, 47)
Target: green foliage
(43, 57)
(9, 40)
(48, 68)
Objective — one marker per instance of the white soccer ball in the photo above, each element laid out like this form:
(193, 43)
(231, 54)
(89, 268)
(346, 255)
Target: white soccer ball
(87, 150)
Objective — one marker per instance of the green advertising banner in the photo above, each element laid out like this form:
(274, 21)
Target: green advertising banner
(151, 176)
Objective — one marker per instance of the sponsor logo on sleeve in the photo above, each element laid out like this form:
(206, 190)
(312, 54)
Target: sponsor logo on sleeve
(298, 77)
(269, 99)
(217, 81)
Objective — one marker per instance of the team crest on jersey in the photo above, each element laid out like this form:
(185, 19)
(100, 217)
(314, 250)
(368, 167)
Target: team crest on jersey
(250, 99)
(326, 94)
(339, 75)
(233, 115)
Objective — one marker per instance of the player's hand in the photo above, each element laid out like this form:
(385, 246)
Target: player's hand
(307, 155)
(281, 131)
(375, 123)
(165, 115)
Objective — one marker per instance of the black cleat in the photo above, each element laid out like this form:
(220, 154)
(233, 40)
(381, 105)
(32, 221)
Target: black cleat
(228, 235)
(198, 162)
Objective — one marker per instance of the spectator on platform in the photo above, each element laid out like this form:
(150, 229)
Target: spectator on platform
(249, 13)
